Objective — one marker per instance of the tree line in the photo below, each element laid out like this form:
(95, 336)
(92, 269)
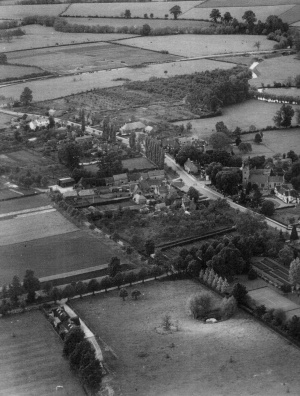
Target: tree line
(154, 152)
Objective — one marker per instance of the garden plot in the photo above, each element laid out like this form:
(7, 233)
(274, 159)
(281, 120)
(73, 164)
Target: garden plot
(31, 358)
(10, 71)
(234, 357)
(21, 11)
(87, 57)
(158, 9)
(261, 12)
(200, 45)
(40, 36)
(69, 85)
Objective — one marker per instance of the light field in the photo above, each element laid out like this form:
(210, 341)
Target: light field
(159, 9)
(137, 163)
(261, 12)
(31, 358)
(284, 91)
(64, 86)
(292, 15)
(88, 57)
(244, 3)
(197, 356)
(39, 36)
(8, 71)
(200, 45)
(20, 11)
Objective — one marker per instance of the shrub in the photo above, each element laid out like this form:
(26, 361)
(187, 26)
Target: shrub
(252, 274)
(279, 317)
(268, 316)
(166, 322)
(286, 288)
(200, 304)
(135, 294)
(260, 311)
(228, 307)
(239, 292)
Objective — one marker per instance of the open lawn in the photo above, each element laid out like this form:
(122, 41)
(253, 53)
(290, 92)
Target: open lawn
(292, 15)
(261, 12)
(68, 85)
(159, 9)
(87, 57)
(276, 69)
(200, 45)
(54, 255)
(284, 215)
(40, 36)
(31, 359)
(9, 71)
(251, 112)
(20, 11)
(235, 357)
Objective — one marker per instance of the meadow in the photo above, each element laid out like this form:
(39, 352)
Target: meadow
(244, 3)
(159, 9)
(292, 15)
(31, 358)
(9, 71)
(20, 11)
(283, 91)
(234, 357)
(200, 45)
(261, 12)
(69, 85)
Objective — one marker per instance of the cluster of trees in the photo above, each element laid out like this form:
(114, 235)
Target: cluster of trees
(214, 280)
(8, 24)
(154, 152)
(283, 117)
(28, 178)
(109, 164)
(277, 98)
(7, 35)
(109, 130)
(82, 358)
(293, 174)
(69, 154)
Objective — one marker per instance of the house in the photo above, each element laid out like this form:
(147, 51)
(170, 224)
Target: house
(139, 199)
(65, 182)
(287, 194)
(132, 127)
(120, 179)
(263, 178)
(190, 166)
(161, 191)
(156, 174)
(160, 206)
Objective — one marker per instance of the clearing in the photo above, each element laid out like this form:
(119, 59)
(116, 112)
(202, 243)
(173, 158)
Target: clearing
(200, 45)
(87, 57)
(21, 11)
(10, 71)
(32, 362)
(235, 357)
(159, 9)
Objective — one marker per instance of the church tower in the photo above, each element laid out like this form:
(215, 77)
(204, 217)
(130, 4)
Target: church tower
(245, 173)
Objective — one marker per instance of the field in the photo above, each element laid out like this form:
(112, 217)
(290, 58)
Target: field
(68, 85)
(234, 357)
(20, 11)
(283, 91)
(251, 112)
(23, 204)
(39, 36)
(244, 3)
(4, 120)
(87, 57)
(200, 45)
(8, 71)
(137, 163)
(32, 362)
(284, 215)
(292, 15)
(276, 69)
(261, 12)
(159, 9)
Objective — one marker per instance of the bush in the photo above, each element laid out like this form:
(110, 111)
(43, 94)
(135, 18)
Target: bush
(268, 316)
(239, 292)
(200, 304)
(286, 288)
(279, 317)
(260, 311)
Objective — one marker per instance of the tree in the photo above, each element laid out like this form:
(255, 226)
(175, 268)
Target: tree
(219, 140)
(283, 116)
(31, 284)
(257, 138)
(149, 247)
(90, 371)
(130, 277)
(297, 79)
(106, 283)
(248, 223)
(228, 182)
(245, 147)
(93, 286)
(132, 140)
(146, 29)
(294, 234)
(215, 15)
(228, 307)
(75, 357)
(26, 96)
(221, 127)
(55, 294)
(69, 291)
(127, 14)
(69, 154)
(15, 290)
(3, 59)
(267, 208)
(74, 337)
(294, 271)
(114, 266)
(193, 194)
(200, 304)
(118, 279)
(143, 274)
(175, 11)
(80, 288)
(123, 294)
(250, 18)
(227, 18)
(286, 255)
(257, 45)
(135, 294)
(82, 116)
(239, 292)
(238, 141)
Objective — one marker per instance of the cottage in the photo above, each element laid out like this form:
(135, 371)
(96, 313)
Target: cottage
(65, 182)
(190, 167)
(139, 199)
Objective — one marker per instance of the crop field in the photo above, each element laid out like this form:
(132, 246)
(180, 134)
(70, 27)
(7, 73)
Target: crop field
(158, 9)
(233, 357)
(69, 85)
(23, 204)
(200, 45)
(137, 163)
(20, 11)
(244, 3)
(8, 71)
(31, 358)
(153, 23)
(292, 15)
(251, 112)
(276, 69)
(40, 36)
(87, 57)
(283, 91)
(261, 12)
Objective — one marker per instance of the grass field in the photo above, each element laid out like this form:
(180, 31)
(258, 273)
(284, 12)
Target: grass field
(8, 71)
(40, 36)
(64, 86)
(283, 91)
(200, 45)
(159, 9)
(31, 359)
(244, 3)
(284, 215)
(23, 204)
(292, 15)
(261, 12)
(137, 163)
(87, 57)
(234, 357)
(251, 112)
(4, 120)
(20, 11)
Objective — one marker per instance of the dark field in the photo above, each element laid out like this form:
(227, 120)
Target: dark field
(23, 203)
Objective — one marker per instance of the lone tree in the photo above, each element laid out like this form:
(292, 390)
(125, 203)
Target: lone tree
(135, 294)
(283, 116)
(215, 15)
(127, 14)
(175, 11)
(267, 208)
(245, 147)
(146, 29)
(239, 292)
(149, 247)
(257, 45)
(123, 294)
(26, 96)
(294, 234)
(227, 18)
(193, 194)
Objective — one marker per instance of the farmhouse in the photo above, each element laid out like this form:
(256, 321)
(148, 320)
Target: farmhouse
(261, 177)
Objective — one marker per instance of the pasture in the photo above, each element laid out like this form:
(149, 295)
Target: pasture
(244, 3)
(87, 57)
(40, 36)
(292, 15)
(261, 12)
(158, 9)
(233, 357)
(31, 358)
(283, 91)
(10, 71)
(251, 112)
(21, 11)
(69, 85)
(200, 45)
(23, 204)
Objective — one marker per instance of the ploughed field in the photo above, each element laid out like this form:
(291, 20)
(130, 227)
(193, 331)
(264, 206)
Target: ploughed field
(31, 358)
(235, 357)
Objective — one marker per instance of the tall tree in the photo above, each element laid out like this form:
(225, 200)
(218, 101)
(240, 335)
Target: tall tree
(114, 266)
(132, 140)
(15, 290)
(31, 284)
(69, 155)
(283, 117)
(227, 18)
(74, 337)
(294, 234)
(26, 96)
(215, 15)
(294, 271)
(250, 18)
(175, 11)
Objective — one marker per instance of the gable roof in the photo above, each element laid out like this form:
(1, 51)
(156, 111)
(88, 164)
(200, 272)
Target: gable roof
(121, 176)
(155, 173)
(133, 126)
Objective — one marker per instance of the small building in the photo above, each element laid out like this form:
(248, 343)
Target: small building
(132, 127)
(120, 179)
(156, 174)
(190, 167)
(139, 199)
(65, 182)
